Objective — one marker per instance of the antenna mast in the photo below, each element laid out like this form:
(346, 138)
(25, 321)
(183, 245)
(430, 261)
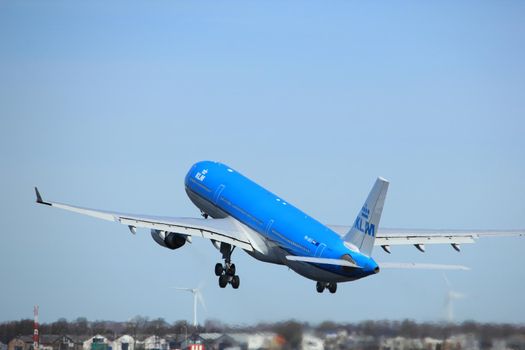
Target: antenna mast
(36, 336)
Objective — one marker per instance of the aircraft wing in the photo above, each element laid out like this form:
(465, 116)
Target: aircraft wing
(386, 237)
(223, 230)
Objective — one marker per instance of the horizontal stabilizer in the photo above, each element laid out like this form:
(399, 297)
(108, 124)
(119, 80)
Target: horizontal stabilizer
(387, 265)
(308, 259)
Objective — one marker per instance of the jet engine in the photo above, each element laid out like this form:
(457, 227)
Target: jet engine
(169, 240)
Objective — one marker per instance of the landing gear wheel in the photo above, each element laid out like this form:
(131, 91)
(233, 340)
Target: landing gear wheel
(226, 272)
(218, 269)
(223, 281)
(235, 282)
(320, 287)
(332, 287)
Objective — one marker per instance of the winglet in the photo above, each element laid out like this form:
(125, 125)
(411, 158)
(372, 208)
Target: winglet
(38, 196)
(39, 199)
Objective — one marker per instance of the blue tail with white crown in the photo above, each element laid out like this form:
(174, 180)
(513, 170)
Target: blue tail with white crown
(363, 232)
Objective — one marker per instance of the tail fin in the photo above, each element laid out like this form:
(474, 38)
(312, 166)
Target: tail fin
(363, 232)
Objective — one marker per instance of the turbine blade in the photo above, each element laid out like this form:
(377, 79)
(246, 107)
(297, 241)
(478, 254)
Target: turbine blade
(447, 281)
(201, 300)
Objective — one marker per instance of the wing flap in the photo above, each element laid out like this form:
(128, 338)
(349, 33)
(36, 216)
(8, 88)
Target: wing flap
(424, 239)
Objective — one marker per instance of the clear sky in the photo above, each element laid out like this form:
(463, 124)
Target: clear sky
(107, 105)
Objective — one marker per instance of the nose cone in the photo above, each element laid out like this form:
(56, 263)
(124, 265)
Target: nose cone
(189, 174)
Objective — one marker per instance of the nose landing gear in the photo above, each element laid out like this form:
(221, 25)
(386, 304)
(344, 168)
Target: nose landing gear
(226, 272)
(331, 286)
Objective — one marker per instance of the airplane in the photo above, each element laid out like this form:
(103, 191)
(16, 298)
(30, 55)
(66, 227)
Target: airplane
(238, 213)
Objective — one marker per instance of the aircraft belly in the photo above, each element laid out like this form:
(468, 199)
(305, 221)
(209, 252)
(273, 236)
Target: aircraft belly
(269, 257)
(316, 273)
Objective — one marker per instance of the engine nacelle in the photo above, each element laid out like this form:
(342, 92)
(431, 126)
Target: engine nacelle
(169, 240)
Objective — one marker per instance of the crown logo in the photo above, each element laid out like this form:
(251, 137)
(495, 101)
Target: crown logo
(365, 211)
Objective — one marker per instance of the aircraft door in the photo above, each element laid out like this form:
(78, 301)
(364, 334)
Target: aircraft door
(320, 249)
(217, 194)
(268, 227)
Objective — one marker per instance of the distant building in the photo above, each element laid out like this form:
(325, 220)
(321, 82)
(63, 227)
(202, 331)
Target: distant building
(192, 340)
(401, 343)
(60, 342)
(17, 344)
(217, 341)
(175, 341)
(516, 342)
(254, 341)
(155, 342)
(340, 340)
(124, 342)
(47, 342)
(432, 344)
(464, 341)
(98, 342)
(311, 342)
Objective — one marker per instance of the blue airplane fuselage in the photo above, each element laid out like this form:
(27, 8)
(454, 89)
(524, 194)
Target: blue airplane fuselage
(221, 191)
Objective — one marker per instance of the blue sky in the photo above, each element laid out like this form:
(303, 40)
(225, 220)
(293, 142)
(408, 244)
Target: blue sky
(108, 105)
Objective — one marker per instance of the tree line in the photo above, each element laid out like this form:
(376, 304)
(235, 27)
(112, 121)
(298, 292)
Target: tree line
(291, 330)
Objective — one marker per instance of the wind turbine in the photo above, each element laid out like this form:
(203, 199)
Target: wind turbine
(196, 295)
(450, 296)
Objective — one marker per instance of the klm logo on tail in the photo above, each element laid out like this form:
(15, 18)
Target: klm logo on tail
(367, 228)
(363, 232)
(365, 211)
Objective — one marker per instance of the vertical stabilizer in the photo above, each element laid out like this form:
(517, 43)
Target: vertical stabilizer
(363, 232)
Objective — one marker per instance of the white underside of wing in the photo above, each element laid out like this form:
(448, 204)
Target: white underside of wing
(225, 230)
(222, 230)
(99, 214)
(389, 236)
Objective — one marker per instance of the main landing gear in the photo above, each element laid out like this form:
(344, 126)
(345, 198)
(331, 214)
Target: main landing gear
(226, 272)
(331, 286)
